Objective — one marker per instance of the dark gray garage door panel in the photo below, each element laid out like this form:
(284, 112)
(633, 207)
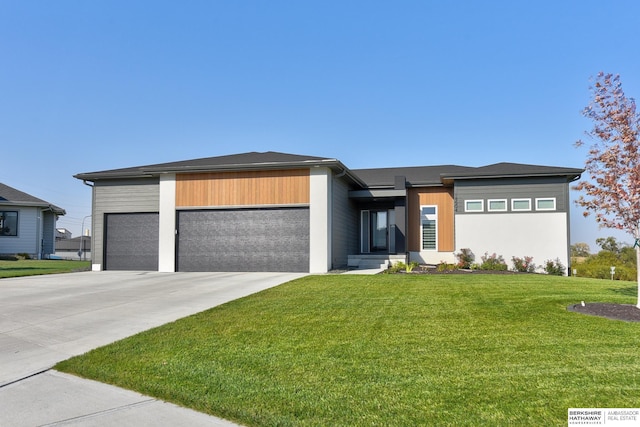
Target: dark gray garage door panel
(244, 240)
(131, 241)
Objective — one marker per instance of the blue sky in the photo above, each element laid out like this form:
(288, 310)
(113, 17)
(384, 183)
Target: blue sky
(95, 85)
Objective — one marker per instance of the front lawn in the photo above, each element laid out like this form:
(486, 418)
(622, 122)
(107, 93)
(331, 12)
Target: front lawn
(31, 267)
(389, 350)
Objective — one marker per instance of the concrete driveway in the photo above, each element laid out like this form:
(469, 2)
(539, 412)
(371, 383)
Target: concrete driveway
(47, 319)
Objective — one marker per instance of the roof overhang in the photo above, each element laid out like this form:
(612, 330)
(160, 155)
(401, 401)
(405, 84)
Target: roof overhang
(449, 179)
(55, 209)
(157, 170)
(372, 194)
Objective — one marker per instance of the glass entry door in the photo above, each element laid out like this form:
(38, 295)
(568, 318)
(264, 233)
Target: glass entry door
(379, 228)
(377, 231)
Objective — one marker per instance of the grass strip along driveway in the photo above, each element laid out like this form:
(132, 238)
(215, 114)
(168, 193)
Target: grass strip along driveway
(31, 267)
(389, 350)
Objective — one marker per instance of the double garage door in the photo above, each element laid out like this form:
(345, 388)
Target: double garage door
(214, 240)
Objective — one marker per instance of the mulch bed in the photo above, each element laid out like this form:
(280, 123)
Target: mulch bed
(625, 312)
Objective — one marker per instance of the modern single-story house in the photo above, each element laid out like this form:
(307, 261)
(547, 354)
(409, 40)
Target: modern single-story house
(284, 212)
(27, 224)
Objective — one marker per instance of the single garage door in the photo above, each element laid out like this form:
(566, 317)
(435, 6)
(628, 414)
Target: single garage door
(131, 241)
(244, 240)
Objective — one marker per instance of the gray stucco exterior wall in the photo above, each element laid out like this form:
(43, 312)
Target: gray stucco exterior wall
(120, 196)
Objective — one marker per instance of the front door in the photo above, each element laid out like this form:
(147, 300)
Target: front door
(377, 231)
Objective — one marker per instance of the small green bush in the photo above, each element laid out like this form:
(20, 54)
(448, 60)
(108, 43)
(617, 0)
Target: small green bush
(409, 267)
(401, 266)
(523, 265)
(444, 266)
(493, 262)
(554, 267)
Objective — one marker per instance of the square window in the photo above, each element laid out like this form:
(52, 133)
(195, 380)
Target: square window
(8, 223)
(520, 204)
(497, 205)
(474, 205)
(548, 204)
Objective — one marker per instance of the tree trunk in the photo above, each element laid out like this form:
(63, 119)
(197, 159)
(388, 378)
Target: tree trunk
(638, 271)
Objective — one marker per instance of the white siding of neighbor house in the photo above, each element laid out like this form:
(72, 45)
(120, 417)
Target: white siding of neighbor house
(541, 235)
(27, 240)
(120, 196)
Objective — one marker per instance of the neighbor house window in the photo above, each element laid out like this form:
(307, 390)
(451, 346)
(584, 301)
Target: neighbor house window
(548, 204)
(520, 204)
(429, 219)
(8, 223)
(474, 205)
(497, 205)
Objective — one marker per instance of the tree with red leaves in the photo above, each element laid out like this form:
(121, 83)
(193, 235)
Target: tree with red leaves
(612, 192)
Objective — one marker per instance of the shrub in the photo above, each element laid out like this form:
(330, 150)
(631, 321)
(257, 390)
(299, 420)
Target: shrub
(599, 266)
(523, 265)
(409, 267)
(554, 267)
(396, 267)
(493, 262)
(465, 258)
(401, 266)
(444, 266)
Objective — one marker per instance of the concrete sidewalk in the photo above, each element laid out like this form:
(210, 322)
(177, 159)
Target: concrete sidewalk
(47, 319)
(57, 399)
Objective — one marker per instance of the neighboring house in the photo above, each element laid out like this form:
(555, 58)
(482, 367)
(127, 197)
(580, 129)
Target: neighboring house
(284, 212)
(78, 248)
(63, 233)
(27, 224)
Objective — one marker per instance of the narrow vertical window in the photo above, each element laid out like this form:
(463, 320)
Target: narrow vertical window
(429, 219)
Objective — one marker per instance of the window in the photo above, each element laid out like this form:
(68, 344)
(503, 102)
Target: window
(547, 204)
(429, 219)
(8, 223)
(474, 205)
(497, 205)
(520, 204)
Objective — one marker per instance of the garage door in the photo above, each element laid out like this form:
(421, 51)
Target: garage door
(244, 240)
(131, 241)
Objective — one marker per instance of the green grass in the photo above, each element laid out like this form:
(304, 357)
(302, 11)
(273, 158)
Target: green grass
(389, 350)
(34, 267)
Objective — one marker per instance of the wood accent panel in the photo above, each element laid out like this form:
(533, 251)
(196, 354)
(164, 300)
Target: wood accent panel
(243, 188)
(443, 199)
